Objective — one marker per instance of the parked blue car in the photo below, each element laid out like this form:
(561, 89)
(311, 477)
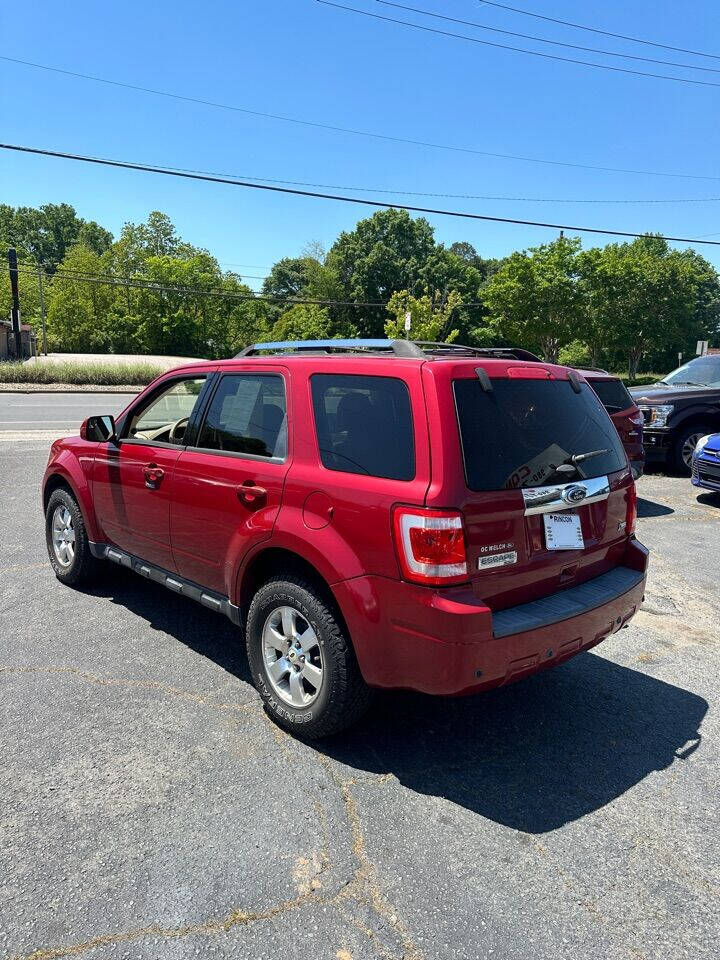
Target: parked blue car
(706, 462)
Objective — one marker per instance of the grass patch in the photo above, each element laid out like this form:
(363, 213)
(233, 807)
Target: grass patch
(80, 374)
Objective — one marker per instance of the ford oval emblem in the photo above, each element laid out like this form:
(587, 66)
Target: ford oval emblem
(574, 493)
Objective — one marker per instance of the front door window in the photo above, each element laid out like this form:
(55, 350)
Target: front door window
(165, 418)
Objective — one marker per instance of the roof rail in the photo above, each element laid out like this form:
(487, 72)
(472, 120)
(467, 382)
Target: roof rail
(400, 348)
(500, 353)
(417, 349)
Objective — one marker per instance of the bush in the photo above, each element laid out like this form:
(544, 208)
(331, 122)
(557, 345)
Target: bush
(575, 354)
(79, 374)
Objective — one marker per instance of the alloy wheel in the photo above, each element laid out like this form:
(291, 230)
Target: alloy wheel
(63, 536)
(292, 656)
(689, 447)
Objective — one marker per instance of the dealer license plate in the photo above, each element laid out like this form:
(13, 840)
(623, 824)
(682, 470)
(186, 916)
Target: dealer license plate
(563, 531)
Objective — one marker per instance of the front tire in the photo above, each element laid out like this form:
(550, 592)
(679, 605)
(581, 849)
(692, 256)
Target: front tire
(67, 541)
(683, 446)
(302, 662)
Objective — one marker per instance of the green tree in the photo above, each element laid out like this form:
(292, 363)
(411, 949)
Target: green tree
(533, 298)
(383, 254)
(431, 316)
(303, 322)
(644, 297)
(45, 234)
(78, 311)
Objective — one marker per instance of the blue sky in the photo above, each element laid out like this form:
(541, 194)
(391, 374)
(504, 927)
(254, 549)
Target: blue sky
(314, 62)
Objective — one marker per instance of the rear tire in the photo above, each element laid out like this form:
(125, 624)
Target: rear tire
(67, 541)
(302, 662)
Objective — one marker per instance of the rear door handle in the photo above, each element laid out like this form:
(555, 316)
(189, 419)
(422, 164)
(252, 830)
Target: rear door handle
(252, 495)
(153, 475)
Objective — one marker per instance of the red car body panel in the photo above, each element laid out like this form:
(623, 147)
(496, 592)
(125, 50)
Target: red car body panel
(438, 640)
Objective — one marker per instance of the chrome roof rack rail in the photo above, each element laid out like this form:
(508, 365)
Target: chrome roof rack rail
(498, 353)
(399, 348)
(416, 349)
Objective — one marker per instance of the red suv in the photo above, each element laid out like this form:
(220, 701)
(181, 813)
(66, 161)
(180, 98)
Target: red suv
(372, 513)
(624, 413)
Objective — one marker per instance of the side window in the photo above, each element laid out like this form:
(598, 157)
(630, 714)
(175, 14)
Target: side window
(364, 425)
(247, 415)
(165, 418)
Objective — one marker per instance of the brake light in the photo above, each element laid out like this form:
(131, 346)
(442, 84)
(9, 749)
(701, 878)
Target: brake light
(631, 516)
(430, 545)
(530, 373)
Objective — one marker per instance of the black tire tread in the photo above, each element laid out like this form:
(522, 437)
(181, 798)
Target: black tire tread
(350, 696)
(85, 567)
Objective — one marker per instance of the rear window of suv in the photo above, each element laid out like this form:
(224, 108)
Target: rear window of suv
(613, 394)
(364, 425)
(517, 434)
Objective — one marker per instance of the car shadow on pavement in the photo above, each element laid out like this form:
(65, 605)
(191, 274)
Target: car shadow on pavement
(534, 755)
(207, 633)
(651, 508)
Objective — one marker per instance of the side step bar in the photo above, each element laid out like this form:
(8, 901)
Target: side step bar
(208, 598)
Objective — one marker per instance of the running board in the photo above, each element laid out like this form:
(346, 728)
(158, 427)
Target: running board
(208, 598)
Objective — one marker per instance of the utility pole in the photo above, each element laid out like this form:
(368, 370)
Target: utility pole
(42, 309)
(15, 309)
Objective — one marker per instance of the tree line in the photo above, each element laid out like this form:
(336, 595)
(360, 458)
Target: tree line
(622, 305)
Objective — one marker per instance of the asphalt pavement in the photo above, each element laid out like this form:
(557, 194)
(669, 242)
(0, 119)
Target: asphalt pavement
(148, 809)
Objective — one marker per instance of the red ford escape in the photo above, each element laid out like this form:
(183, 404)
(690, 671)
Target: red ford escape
(371, 513)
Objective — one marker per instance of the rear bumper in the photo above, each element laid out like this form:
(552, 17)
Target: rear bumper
(444, 642)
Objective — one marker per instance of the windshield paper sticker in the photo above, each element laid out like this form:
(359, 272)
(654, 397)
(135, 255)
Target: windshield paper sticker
(535, 471)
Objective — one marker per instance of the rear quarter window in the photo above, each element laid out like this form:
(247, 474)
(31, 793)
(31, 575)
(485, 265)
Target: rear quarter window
(364, 425)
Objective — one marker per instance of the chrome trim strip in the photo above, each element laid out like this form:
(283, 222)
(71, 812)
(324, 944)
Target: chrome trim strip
(565, 496)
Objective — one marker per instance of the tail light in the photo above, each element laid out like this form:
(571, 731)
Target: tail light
(430, 545)
(631, 516)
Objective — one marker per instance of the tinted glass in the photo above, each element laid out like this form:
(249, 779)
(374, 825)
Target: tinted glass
(613, 394)
(364, 425)
(247, 415)
(703, 371)
(165, 418)
(518, 433)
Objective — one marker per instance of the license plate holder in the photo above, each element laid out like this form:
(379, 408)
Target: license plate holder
(563, 531)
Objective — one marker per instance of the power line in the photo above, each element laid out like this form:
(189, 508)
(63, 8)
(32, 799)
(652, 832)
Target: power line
(504, 46)
(604, 33)
(554, 43)
(80, 277)
(360, 133)
(424, 193)
(170, 172)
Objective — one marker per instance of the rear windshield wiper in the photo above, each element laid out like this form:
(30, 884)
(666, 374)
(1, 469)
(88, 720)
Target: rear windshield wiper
(570, 463)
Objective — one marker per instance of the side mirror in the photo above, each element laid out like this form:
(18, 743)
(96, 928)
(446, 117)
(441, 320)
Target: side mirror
(98, 429)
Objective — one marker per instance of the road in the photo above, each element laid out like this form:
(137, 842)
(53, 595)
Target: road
(150, 810)
(58, 413)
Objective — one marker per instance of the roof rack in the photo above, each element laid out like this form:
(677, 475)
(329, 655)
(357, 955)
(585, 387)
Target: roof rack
(419, 349)
(399, 348)
(499, 353)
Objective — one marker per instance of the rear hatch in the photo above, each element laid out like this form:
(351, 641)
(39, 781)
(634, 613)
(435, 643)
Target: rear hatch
(546, 493)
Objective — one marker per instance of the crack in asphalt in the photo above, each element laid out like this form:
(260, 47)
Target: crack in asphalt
(179, 692)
